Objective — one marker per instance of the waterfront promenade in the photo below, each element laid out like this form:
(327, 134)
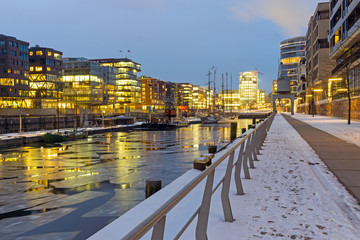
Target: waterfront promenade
(291, 195)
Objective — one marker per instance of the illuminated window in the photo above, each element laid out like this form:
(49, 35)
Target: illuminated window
(38, 69)
(49, 53)
(31, 53)
(337, 36)
(48, 68)
(39, 53)
(57, 56)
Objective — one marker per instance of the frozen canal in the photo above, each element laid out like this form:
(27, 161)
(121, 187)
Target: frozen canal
(70, 191)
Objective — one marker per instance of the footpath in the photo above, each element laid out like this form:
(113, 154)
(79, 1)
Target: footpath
(342, 158)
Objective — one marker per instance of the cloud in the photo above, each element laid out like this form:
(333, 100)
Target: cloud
(291, 15)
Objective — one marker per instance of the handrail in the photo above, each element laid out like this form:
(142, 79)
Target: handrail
(157, 219)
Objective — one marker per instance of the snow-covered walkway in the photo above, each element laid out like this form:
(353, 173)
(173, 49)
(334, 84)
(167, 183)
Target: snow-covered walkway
(292, 195)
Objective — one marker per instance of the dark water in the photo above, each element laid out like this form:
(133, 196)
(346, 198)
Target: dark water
(71, 190)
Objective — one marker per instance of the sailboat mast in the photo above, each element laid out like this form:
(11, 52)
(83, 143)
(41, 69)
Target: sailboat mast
(209, 93)
(227, 90)
(57, 107)
(214, 94)
(231, 92)
(223, 93)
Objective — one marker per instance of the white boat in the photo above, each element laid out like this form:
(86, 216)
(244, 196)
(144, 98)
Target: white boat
(209, 120)
(193, 120)
(227, 120)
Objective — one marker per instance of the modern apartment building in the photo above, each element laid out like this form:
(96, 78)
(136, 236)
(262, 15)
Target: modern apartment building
(200, 98)
(229, 100)
(14, 73)
(184, 96)
(302, 85)
(45, 77)
(127, 87)
(248, 88)
(291, 52)
(84, 84)
(260, 98)
(344, 38)
(318, 63)
(153, 93)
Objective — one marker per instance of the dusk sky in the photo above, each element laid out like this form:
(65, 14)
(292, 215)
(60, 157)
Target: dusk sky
(175, 41)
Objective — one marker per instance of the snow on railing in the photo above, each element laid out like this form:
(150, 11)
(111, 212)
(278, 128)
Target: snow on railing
(246, 148)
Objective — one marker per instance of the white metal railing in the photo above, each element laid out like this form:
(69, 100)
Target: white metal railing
(248, 148)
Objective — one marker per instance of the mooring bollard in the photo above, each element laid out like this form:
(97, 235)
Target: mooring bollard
(209, 156)
(233, 130)
(243, 130)
(212, 149)
(152, 186)
(200, 163)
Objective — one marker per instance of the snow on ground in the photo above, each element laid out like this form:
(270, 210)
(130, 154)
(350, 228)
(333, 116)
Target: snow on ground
(335, 126)
(285, 199)
(292, 195)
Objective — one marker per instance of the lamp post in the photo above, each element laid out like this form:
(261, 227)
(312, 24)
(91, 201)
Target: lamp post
(103, 120)
(20, 127)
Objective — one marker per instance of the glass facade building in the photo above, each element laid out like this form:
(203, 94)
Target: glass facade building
(127, 89)
(291, 52)
(248, 88)
(84, 84)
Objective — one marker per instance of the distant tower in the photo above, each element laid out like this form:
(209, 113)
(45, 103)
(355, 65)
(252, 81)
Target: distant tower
(248, 88)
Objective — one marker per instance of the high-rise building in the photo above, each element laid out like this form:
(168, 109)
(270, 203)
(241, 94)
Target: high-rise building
(248, 87)
(127, 87)
(45, 77)
(318, 64)
(291, 52)
(14, 73)
(344, 38)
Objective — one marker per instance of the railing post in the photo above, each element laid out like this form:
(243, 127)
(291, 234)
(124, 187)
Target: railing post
(245, 159)
(225, 190)
(249, 151)
(254, 144)
(159, 229)
(238, 184)
(203, 217)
